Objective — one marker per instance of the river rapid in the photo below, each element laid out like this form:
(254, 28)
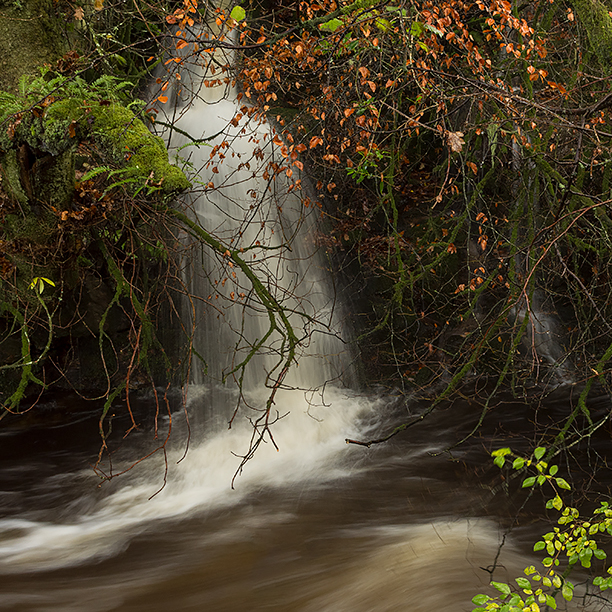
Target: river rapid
(317, 525)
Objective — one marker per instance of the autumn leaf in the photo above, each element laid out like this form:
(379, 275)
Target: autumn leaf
(79, 13)
(455, 141)
(99, 5)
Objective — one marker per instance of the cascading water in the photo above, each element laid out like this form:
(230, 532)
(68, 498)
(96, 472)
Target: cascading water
(315, 526)
(266, 221)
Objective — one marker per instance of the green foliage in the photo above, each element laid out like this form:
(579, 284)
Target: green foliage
(38, 284)
(574, 541)
(105, 87)
(54, 113)
(238, 13)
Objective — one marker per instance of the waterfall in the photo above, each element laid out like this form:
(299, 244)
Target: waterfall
(268, 222)
(230, 154)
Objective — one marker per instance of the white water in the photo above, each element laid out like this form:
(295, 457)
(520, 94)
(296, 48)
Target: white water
(309, 440)
(271, 224)
(332, 559)
(272, 221)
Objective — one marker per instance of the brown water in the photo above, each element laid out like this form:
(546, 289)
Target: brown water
(326, 527)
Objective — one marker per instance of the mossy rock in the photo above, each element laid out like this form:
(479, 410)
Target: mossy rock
(122, 138)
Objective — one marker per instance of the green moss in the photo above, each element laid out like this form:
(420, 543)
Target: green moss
(122, 138)
(128, 141)
(598, 24)
(12, 180)
(37, 229)
(30, 36)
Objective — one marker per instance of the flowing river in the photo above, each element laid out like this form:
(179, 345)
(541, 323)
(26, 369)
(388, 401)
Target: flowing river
(312, 524)
(318, 525)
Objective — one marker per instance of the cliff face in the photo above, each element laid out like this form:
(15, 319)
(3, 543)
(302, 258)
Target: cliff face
(30, 36)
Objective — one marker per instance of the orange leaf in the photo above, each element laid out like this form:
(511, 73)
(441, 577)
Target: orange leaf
(163, 99)
(181, 44)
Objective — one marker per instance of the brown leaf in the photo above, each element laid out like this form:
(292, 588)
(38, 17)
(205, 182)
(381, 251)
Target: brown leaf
(455, 141)
(79, 13)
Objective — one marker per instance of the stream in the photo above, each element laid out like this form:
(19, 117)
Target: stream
(317, 525)
(311, 523)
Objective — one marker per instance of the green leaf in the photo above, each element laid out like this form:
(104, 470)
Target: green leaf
(434, 30)
(502, 587)
(528, 482)
(523, 583)
(553, 470)
(538, 453)
(539, 546)
(567, 590)
(515, 600)
(585, 556)
(518, 463)
(332, 25)
(550, 602)
(94, 172)
(417, 29)
(557, 503)
(500, 452)
(238, 13)
(600, 554)
(479, 600)
(384, 25)
(38, 284)
(499, 461)
(563, 484)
